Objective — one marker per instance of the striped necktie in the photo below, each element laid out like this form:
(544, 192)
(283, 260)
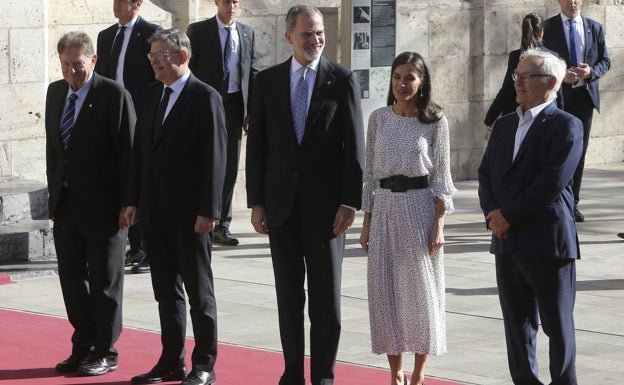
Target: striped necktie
(68, 119)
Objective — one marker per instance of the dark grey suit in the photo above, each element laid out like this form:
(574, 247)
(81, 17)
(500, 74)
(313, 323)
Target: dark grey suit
(207, 64)
(301, 186)
(86, 185)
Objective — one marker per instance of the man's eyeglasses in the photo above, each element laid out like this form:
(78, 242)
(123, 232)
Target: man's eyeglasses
(524, 77)
(160, 55)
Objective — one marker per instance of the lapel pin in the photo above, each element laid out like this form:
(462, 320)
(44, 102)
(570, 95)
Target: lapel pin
(90, 105)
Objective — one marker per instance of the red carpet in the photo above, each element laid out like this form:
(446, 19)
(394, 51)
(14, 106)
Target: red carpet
(5, 278)
(31, 344)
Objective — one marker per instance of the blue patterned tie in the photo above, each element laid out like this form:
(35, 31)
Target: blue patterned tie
(573, 58)
(227, 56)
(299, 104)
(68, 119)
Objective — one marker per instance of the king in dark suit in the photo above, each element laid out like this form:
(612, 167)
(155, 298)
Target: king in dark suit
(304, 183)
(175, 192)
(89, 122)
(525, 191)
(587, 63)
(224, 57)
(122, 50)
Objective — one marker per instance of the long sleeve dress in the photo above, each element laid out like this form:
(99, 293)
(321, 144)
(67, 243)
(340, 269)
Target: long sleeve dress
(406, 284)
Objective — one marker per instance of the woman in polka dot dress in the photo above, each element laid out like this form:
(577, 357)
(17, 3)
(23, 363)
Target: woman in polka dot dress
(407, 192)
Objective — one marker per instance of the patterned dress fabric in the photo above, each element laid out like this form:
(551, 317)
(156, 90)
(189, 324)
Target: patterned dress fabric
(406, 284)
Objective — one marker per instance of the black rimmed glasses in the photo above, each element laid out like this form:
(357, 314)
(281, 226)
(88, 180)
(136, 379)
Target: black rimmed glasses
(524, 77)
(161, 55)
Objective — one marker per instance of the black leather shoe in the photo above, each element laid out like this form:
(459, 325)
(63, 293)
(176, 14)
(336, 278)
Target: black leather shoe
(222, 236)
(134, 256)
(160, 374)
(142, 267)
(199, 377)
(98, 366)
(71, 364)
(621, 235)
(578, 216)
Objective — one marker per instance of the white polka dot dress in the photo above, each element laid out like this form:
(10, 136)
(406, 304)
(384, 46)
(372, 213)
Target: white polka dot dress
(405, 284)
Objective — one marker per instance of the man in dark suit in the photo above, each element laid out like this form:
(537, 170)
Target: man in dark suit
(122, 50)
(525, 191)
(89, 125)
(224, 57)
(304, 183)
(176, 182)
(587, 62)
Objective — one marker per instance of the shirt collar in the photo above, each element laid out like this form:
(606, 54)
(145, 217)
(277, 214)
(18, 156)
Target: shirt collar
(179, 84)
(221, 25)
(82, 91)
(533, 112)
(295, 65)
(131, 23)
(565, 19)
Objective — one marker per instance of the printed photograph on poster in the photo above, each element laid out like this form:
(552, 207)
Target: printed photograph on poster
(379, 81)
(362, 77)
(361, 15)
(361, 40)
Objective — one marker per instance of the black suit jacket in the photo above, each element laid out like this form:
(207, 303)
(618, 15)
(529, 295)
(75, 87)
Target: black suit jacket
(534, 191)
(137, 73)
(207, 59)
(595, 54)
(96, 162)
(325, 171)
(178, 175)
(505, 100)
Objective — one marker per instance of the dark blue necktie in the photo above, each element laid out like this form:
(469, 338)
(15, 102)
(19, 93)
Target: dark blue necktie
(573, 58)
(299, 104)
(115, 52)
(68, 119)
(227, 56)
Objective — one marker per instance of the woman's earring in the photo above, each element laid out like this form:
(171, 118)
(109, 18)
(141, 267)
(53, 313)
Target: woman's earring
(421, 93)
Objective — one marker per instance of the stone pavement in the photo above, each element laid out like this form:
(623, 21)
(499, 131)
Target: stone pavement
(247, 309)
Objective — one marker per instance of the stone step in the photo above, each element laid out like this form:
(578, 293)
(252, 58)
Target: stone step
(25, 233)
(26, 241)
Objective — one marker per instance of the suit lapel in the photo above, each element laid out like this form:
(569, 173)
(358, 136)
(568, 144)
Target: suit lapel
(588, 38)
(324, 85)
(56, 111)
(534, 131)
(181, 103)
(86, 111)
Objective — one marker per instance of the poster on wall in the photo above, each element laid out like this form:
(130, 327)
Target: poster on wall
(383, 32)
(360, 34)
(373, 34)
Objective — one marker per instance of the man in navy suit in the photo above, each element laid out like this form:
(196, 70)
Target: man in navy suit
(525, 191)
(89, 121)
(587, 62)
(304, 183)
(209, 39)
(128, 65)
(175, 193)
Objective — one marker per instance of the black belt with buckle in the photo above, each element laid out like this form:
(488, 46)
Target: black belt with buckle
(401, 183)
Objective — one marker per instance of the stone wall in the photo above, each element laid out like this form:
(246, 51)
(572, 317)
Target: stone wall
(465, 43)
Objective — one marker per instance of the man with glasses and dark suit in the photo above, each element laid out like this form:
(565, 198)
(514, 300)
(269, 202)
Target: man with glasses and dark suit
(175, 192)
